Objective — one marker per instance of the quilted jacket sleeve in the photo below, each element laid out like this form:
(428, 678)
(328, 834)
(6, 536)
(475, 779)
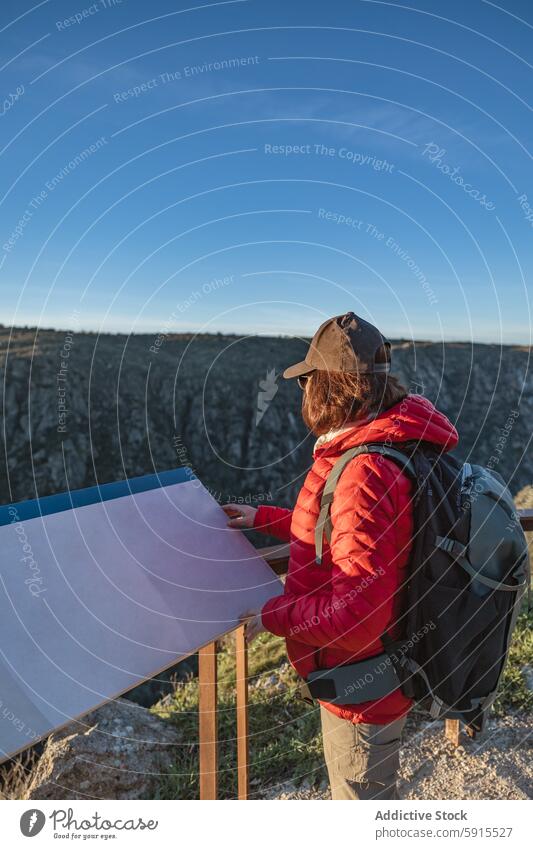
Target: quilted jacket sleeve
(357, 605)
(275, 521)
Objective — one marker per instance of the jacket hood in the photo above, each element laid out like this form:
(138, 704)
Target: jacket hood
(413, 418)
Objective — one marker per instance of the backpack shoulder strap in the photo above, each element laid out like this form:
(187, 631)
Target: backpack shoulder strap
(323, 525)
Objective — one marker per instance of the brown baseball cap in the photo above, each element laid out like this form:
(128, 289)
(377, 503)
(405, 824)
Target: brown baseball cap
(344, 343)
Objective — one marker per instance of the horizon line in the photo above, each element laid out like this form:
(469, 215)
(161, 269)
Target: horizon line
(170, 334)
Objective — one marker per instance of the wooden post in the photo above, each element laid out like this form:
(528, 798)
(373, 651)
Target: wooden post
(208, 736)
(241, 650)
(452, 731)
(526, 519)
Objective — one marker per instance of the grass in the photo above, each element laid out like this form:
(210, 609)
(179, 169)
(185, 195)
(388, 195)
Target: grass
(15, 774)
(285, 742)
(514, 693)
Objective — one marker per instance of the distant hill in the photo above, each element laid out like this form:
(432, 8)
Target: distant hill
(80, 408)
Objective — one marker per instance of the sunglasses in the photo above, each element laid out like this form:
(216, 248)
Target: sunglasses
(302, 380)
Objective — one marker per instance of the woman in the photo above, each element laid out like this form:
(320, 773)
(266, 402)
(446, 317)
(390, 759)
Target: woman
(336, 613)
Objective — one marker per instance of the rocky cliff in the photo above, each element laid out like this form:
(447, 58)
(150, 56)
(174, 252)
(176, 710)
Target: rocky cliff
(78, 408)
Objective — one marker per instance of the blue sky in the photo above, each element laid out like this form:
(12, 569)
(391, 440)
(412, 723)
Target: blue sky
(257, 166)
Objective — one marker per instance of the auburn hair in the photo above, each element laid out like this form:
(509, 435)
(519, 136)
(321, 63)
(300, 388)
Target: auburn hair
(332, 399)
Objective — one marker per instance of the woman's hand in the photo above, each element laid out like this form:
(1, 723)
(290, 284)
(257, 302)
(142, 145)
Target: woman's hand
(254, 624)
(240, 515)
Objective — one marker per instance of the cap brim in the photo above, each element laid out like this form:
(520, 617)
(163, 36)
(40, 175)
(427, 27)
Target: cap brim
(298, 369)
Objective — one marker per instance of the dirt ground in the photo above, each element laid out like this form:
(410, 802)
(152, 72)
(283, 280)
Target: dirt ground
(498, 765)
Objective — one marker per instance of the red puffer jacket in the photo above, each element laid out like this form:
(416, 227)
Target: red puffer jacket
(335, 613)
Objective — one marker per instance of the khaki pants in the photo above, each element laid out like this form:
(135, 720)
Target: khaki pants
(362, 759)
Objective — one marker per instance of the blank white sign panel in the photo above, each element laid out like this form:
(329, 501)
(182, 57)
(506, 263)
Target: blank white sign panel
(106, 587)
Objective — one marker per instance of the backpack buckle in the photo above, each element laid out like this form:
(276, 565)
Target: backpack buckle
(436, 708)
(445, 543)
(451, 546)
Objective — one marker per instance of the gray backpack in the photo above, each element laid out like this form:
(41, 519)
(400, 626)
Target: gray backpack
(468, 575)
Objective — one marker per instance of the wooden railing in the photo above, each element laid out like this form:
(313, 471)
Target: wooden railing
(277, 557)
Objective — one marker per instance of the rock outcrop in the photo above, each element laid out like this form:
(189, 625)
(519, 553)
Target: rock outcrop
(120, 751)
